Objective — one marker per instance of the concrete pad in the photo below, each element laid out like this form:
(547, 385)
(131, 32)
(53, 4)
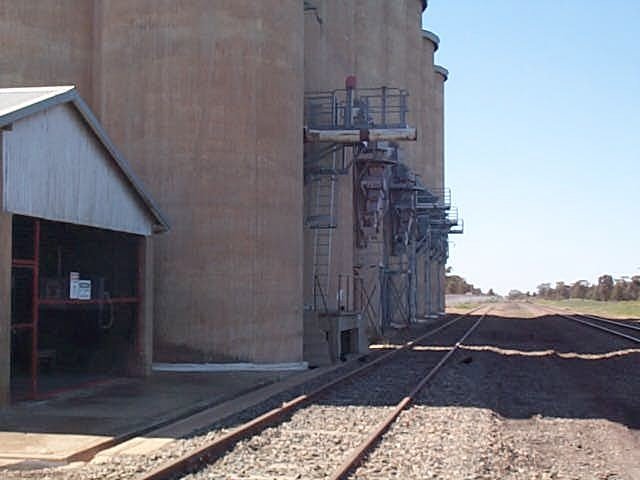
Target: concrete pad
(44, 446)
(132, 416)
(76, 426)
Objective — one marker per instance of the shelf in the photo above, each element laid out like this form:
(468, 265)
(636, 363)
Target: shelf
(23, 263)
(62, 301)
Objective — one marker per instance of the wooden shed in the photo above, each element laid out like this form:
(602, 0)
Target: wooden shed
(75, 250)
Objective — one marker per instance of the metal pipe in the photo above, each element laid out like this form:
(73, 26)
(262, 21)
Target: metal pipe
(35, 309)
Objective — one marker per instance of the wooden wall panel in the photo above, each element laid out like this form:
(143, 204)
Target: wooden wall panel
(56, 169)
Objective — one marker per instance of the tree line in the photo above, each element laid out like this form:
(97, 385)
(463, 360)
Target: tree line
(456, 285)
(607, 288)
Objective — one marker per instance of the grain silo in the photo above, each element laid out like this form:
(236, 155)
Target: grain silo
(211, 97)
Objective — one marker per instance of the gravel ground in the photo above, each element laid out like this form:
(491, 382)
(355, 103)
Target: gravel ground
(317, 438)
(128, 466)
(528, 398)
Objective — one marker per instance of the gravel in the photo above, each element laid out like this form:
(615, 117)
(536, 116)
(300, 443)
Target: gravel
(538, 398)
(318, 438)
(527, 397)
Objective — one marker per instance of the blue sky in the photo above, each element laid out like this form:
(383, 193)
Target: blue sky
(542, 120)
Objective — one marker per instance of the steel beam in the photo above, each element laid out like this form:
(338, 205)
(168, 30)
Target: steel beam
(353, 136)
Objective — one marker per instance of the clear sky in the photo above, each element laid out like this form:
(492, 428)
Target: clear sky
(542, 120)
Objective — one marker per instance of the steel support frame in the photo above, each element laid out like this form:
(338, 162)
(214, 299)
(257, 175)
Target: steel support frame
(33, 265)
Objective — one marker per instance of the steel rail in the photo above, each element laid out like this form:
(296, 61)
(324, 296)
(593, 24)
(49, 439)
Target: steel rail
(610, 322)
(217, 448)
(593, 325)
(358, 454)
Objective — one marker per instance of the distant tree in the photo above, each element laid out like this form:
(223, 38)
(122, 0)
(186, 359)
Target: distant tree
(618, 292)
(633, 288)
(579, 289)
(562, 291)
(605, 287)
(457, 285)
(516, 295)
(545, 290)
(491, 293)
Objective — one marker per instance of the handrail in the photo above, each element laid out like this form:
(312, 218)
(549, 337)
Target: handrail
(363, 108)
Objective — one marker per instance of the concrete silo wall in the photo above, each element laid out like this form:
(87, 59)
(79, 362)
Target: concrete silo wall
(46, 43)
(440, 77)
(205, 98)
(427, 140)
(328, 59)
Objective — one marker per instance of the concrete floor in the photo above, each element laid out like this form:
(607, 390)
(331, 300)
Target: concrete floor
(77, 424)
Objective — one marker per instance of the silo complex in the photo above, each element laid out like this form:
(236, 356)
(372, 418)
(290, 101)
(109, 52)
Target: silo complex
(440, 77)
(207, 98)
(381, 44)
(430, 165)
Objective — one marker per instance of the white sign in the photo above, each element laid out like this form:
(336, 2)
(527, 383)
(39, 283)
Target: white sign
(74, 278)
(79, 289)
(84, 289)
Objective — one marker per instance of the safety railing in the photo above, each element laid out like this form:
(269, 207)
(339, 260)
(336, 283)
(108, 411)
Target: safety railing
(429, 199)
(363, 108)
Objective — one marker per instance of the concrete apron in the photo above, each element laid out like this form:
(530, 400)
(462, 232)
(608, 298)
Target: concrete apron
(132, 416)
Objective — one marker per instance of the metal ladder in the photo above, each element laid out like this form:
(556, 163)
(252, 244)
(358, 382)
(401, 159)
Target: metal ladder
(322, 220)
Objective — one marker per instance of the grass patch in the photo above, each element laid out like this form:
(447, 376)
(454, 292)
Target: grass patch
(464, 306)
(627, 309)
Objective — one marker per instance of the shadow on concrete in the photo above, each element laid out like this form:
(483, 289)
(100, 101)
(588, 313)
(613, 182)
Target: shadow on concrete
(129, 405)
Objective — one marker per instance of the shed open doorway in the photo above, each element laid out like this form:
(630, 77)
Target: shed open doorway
(75, 305)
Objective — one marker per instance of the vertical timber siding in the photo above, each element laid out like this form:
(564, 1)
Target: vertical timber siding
(56, 169)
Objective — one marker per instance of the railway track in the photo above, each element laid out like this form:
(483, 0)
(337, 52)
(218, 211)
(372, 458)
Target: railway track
(620, 329)
(331, 426)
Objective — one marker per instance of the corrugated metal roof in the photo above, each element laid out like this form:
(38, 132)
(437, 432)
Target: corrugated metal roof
(17, 103)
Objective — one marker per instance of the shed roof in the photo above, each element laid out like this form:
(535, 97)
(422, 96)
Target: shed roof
(18, 103)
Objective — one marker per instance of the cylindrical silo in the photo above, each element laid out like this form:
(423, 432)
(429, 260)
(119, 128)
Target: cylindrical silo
(380, 43)
(430, 44)
(440, 77)
(387, 49)
(328, 60)
(46, 43)
(205, 99)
